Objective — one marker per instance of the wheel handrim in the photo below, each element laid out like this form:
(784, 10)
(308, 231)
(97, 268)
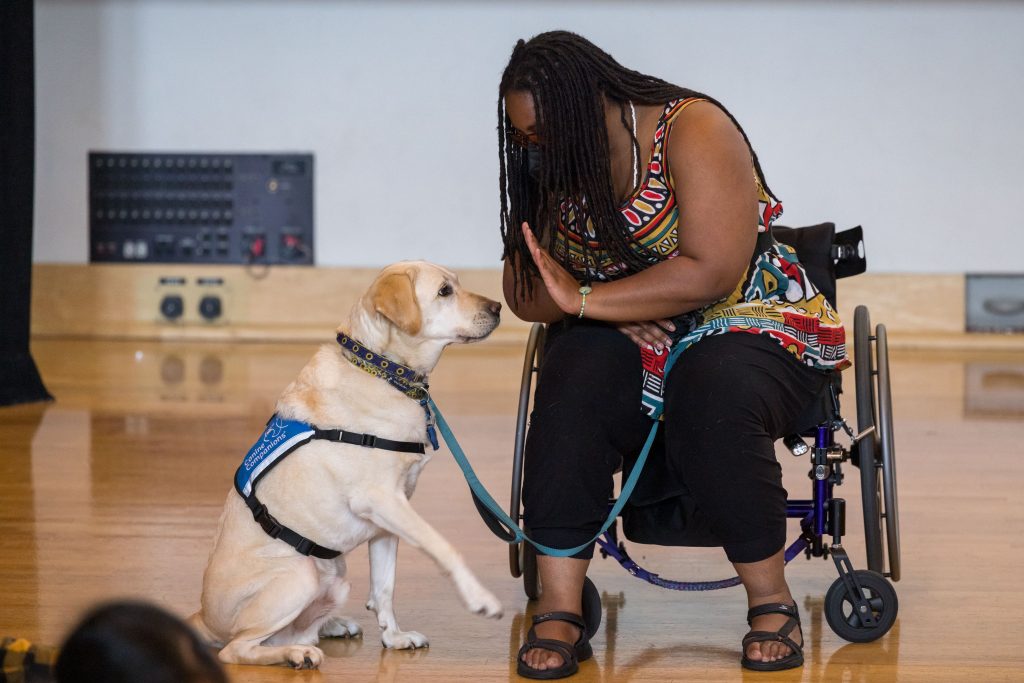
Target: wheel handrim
(888, 454)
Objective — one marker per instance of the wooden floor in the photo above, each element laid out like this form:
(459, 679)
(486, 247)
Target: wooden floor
(115, 489)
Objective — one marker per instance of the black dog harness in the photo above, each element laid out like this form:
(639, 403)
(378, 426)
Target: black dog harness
(282, 437)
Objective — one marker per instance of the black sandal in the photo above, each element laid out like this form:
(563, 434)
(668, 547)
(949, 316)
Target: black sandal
(790, 661)
(572, 655)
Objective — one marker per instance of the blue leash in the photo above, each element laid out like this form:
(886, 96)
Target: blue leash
(513, 534)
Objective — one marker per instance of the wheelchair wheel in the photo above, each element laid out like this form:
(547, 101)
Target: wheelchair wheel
(517, 552)
(864, 370)
(876, 451)
(844, 619)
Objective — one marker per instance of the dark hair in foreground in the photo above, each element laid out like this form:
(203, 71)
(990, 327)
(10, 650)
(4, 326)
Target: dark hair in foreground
(569, 77)
(130, 642)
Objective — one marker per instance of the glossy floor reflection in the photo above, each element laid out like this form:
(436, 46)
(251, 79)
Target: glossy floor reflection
(115, 489)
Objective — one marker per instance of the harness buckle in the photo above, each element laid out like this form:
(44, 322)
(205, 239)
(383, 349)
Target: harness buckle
(266, 520)
(369, 441)
(305, 546)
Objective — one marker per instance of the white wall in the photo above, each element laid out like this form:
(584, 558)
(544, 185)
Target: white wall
(903, 116)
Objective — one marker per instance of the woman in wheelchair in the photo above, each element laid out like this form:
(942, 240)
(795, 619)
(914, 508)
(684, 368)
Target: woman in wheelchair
(636, 219)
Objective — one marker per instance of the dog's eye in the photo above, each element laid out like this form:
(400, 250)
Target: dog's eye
(446, 290)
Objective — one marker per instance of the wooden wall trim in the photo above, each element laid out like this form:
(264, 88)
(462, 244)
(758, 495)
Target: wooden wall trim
(307, 303)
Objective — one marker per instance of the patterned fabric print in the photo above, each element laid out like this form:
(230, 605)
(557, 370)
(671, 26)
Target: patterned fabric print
(776, 299)
(768, 208)
(650, 215)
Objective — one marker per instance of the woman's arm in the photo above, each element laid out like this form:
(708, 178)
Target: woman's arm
(714, 185)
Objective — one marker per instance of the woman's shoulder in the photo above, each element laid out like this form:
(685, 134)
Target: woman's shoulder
(696, 116)
(703, 136)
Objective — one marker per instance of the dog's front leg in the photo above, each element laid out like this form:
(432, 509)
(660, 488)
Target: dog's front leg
(383, 558)
(393, 513)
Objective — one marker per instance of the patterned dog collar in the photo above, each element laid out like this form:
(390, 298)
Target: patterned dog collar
(402, 378)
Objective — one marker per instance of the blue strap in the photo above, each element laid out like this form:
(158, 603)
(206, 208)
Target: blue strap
(517, 534)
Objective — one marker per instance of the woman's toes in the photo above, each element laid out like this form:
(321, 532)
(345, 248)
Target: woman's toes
(541, 659)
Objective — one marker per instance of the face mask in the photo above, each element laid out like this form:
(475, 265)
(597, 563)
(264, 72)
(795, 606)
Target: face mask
(533, 160)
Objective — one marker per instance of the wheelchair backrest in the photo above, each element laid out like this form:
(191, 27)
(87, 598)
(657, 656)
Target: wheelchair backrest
(825, 254)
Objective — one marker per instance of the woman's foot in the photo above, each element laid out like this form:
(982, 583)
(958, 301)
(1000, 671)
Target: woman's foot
(765, 583)
(550, 658)
(562, 578)
(771, 651)
(562, 631)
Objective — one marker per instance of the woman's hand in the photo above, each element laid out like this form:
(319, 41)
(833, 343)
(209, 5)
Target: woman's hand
(562, 287)
(649, 334)
(565, 292)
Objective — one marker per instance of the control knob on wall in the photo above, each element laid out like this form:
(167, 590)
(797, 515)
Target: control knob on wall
(210, 307)
(172, 306)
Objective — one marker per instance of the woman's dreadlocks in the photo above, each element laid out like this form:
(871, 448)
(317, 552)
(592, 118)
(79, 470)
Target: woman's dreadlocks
(569, 78)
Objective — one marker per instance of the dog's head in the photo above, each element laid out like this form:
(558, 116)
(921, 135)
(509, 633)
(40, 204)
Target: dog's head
(420, 301)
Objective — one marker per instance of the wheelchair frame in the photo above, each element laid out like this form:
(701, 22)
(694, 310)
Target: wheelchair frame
(861, 605)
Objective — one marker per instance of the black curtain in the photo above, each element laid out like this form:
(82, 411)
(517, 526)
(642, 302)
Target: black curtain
(19, 378)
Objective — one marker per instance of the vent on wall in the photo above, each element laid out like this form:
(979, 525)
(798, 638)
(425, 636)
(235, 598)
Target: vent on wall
(200, 208)
(995, 303)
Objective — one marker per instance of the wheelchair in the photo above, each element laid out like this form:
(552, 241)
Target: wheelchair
(861, 605)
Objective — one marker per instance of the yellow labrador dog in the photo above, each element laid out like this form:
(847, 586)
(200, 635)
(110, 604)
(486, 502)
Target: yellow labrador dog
(263, 601)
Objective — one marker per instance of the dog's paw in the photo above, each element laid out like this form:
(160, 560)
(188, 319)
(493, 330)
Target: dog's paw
(481, 601)
(304, 657)
(341, 627)
(403, 640)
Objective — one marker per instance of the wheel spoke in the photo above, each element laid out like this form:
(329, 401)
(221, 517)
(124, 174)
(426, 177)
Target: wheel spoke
(877, 604)
(853, 620)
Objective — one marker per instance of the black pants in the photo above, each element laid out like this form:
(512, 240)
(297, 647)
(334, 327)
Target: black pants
(728, 399)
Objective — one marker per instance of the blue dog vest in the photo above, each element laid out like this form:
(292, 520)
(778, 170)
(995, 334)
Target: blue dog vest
(280, 438)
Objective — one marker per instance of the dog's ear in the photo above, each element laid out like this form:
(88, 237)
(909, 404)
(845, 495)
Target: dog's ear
(395, 298)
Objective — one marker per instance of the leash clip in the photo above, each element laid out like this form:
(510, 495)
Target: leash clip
(431, 422)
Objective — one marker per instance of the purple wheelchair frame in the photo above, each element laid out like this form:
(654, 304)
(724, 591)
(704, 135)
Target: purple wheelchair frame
(822, 514)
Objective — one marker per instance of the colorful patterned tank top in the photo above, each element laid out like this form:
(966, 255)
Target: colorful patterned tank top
(774, 298)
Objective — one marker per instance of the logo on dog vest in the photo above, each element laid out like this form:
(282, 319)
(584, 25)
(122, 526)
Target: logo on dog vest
(279, 439)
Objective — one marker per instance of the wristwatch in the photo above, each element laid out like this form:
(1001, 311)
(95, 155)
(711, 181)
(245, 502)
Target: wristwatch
(584, 290)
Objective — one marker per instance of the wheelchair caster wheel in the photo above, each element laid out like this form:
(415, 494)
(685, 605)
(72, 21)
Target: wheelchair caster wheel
(591, 607)
(843, 617)
(531, 576)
